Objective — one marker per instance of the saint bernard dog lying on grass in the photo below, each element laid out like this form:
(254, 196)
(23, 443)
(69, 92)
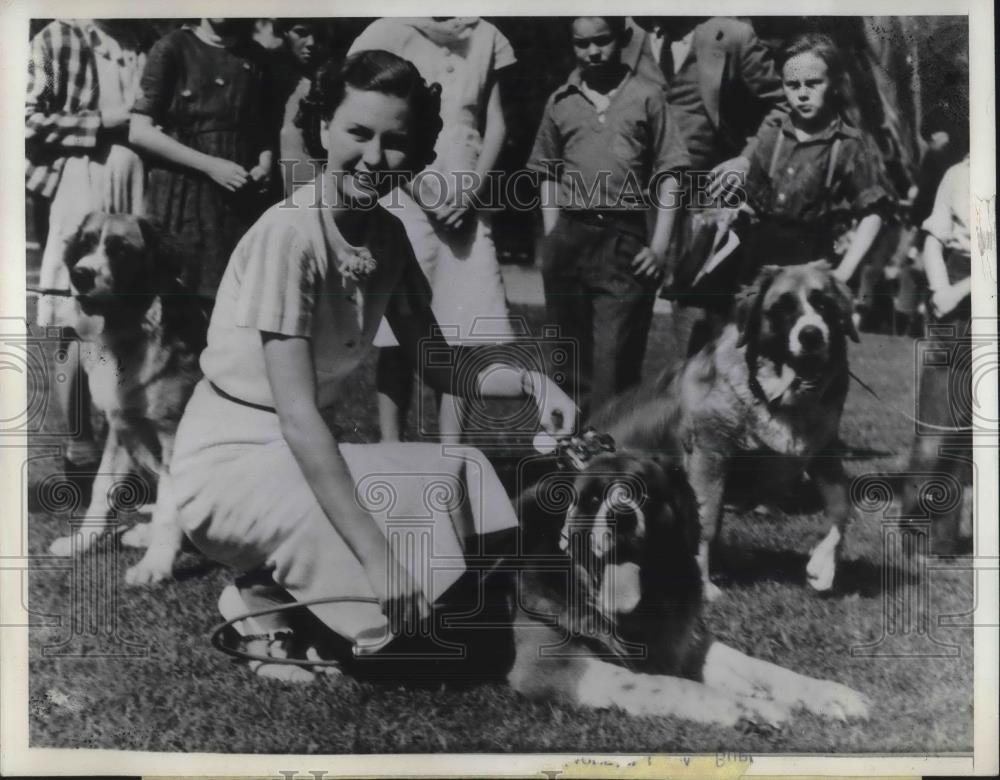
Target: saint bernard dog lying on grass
(142, 328)
(610, 606)
(758, 405)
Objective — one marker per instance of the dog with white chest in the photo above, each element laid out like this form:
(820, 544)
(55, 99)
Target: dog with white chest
(610, 604)
(758, 406)
(141, 329)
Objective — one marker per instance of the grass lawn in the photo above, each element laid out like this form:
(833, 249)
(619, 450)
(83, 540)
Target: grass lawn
(184, 696)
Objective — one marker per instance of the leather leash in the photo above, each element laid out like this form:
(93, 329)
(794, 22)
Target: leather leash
(877, 397)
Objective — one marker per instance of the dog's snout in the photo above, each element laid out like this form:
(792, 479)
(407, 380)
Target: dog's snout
(811, 337)
(83, 278)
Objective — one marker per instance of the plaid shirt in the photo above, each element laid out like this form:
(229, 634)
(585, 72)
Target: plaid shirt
(61, 115)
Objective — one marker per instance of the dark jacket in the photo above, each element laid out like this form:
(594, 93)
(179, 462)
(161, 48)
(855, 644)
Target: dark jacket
(740, 87)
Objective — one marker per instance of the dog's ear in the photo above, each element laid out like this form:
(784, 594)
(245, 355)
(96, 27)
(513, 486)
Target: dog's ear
(749, 303)
(844, 301)
(679, 498)
(174, 265)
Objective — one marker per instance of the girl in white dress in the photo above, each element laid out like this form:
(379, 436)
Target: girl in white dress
(261, 483)
(453, 242)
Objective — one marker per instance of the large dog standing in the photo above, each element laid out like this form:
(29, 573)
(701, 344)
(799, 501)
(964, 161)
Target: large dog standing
(762, 401)
(609, 608)
(142, 330)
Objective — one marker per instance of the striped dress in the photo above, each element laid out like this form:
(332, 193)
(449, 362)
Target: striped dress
(76, 70)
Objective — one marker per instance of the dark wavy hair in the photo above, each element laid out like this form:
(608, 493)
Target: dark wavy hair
(840, 96)
(373, 71)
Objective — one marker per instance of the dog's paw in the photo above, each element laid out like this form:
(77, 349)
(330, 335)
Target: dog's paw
(63, 546)
(150, 570)
(138, 535)
(822, 566)
(833, 700)
(821, 570)
(762, 714)
(711, 592)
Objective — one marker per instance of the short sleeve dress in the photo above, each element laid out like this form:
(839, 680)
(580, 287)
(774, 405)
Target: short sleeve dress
(211, 99)
(462, 267)
(241, 494)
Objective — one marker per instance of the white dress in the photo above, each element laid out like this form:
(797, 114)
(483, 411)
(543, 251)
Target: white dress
(468, 293)
(242, 497)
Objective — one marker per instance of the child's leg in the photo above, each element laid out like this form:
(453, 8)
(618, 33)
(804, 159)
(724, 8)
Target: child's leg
(394, 382)
(623, 310)
(941, 455)
(567, 304)
(621, 328)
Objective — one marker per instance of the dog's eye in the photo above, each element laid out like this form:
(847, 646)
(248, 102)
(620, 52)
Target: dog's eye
(785, 304)
(116, 245)
(819, 301)
(83, 246)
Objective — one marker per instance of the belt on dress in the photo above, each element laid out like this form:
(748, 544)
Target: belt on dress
(223, 394)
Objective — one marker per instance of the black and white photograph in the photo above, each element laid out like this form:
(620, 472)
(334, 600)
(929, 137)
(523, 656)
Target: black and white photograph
(583, 389)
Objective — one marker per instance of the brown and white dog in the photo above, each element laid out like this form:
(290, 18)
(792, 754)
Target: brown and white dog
(761, 402)
(142, 329)
(609, 608)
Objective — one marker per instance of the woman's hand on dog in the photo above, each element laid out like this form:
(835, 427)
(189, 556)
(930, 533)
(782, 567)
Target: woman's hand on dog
(557, 411)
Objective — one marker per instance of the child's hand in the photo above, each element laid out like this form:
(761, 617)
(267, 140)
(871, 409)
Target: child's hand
(261, 177)
(727, 177)
(649, 263)
(450, 215)
(227, 174)
(455, 210)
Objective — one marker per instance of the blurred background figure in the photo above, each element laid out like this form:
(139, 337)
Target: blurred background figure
(453, 241)
(722, 87)
(83, 80)
(295, 48)
(944, 397)
(205, 117)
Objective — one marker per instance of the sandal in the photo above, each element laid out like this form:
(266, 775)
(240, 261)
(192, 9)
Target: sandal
(281, 645)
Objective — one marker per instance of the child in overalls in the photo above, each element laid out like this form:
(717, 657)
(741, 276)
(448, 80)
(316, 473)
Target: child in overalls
(813, 168)
(808, 173)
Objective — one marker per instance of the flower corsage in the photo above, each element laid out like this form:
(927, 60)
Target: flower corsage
(355, 263)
